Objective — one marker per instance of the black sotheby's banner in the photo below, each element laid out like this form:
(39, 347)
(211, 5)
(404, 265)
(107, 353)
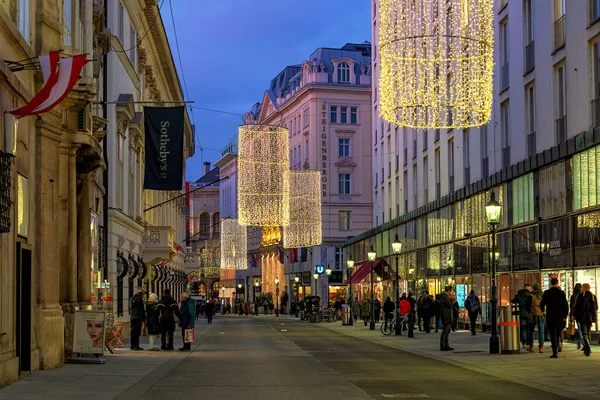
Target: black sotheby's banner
(164, 148)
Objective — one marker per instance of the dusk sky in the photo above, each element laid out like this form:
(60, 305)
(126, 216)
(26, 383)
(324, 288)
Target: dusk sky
(231, 49)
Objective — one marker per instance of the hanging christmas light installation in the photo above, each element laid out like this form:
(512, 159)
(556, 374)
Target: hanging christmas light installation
(436, 62)
(234, 241)
(263, 175)
(305, 228)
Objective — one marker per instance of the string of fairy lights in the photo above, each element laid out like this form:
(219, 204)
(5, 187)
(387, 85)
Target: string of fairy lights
(234, 242)
(305, 228)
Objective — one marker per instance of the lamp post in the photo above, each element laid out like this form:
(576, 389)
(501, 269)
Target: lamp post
(372, 255)
(397, 248)
(316, 278)
(256, 284)
(328, 273)
(223, 297)
(492, 210)
(277, 297)
(350, 265)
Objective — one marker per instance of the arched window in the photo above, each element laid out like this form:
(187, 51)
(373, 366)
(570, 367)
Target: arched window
(216, 225)
(204, 225)
(343, 71)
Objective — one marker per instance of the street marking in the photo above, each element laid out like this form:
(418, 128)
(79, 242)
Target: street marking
(221, 333)
(406, 396)
(284, 330)
(282, 324)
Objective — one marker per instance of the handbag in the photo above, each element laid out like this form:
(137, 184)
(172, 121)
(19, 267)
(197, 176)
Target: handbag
(571, 330)
(189, 336)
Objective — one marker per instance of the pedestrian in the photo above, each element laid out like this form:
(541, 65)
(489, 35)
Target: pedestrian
(554, 304)
(437, 309)
(572, 301)
(337, 306)
(455, 314)
(265, 306)
(198, 310)
(376, 309)
(366, 310)
(187, 321)
(411, 314)
(153, 320)
(446, 317)
(168, 311)
(404, 309)
(537, 316)
(586, 311)
(210, 312)
(523, 300)
(419, 313)
(473, 307)
(355, 308)
(388, 309)
(137, 316)
(427, 310)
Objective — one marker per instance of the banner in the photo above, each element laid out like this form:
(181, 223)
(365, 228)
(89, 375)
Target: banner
(164, 147)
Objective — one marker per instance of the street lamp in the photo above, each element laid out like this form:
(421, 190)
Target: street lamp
(371, 256)
(328, 273)
(277, 297)
(397, 248)
(316, 278)
(350, 265)
(492, 210)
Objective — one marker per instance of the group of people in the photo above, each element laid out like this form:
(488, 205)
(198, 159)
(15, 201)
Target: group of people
(160, 318)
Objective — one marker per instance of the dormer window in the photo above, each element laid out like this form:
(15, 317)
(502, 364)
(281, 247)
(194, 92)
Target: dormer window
(343, 73)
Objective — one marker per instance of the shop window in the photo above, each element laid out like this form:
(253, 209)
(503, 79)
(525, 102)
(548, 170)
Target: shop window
(522, 196)
(525, 252)
(433, 261)
(554, 244)
(587, 239)
(553, 191)
(586, 190)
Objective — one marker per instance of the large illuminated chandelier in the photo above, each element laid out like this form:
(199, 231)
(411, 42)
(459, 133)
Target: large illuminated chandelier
(436, 62)
(234, 241)
(305, 228)
(263, 175)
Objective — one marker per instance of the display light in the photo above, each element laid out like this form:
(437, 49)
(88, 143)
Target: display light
(316, 276)
(263, 175)
(437, 63)
(305, 228)
(234, 242)
(296, 279)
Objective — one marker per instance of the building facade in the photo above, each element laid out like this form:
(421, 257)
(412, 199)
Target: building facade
(326, 105)
(537, 154)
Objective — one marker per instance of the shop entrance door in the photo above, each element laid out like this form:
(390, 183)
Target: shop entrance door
(23, 307)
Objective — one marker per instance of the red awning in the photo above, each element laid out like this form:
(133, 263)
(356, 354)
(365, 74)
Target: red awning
(364, 270)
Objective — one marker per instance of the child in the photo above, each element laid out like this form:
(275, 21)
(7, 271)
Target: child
(152, 320)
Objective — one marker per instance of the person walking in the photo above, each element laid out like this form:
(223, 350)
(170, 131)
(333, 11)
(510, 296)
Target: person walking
(419, 313)
(366, 310)
(523, 300)
(198, 311)
(446, 307)
(473, 307)
(427, 311)
(137, 316)
(572, 301)
(153, 320)
(388, 309)
(537, 316)
(554, 304)
(355, 308)
(377, 309)
(210, 312)
(168, 311)
(455, 313)
(404, 308)
(437, 309)
(187, 321)
(585, 313)
(411, 314)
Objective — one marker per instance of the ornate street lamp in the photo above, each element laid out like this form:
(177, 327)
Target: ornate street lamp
(397, 248)
(316, 278)
(350, 265)
(492, 210)
(328, 273)
(371, 256)
(277, 297)
(297, 280)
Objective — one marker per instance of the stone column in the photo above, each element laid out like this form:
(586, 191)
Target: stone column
(84, 242)
(72, 228)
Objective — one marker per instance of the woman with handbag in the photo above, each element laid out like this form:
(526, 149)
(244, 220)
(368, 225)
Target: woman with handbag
(153, 320)
(187, 321)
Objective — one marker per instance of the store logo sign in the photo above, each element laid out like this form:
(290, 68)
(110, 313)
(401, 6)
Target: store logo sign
(320, 269)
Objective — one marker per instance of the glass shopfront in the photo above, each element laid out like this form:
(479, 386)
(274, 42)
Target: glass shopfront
(591, 277)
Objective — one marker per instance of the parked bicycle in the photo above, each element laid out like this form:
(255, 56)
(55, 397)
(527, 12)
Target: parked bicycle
(388, 327)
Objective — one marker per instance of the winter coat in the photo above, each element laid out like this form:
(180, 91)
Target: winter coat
(153, 319)
(523, 300)
(471, 300)
(377, 305)
(535, 310)
(554, 304)
(404, 306)
(210, 309)
(366, 308)
(427, 307)
(446, 308)
(388, 307)
(168, 311)
(355, 307)
(188, 314)
(137, 310)
(586, 308)
(573, 299)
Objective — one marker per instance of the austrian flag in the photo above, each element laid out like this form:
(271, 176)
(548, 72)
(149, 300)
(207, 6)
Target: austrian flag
(59, 77)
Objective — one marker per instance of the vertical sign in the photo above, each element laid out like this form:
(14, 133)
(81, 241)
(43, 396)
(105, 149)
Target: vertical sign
(324, 150)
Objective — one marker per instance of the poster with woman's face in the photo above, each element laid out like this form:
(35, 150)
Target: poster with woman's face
(89, 332)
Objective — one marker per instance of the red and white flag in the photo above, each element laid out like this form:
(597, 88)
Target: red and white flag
(161, 263)
(59, 78)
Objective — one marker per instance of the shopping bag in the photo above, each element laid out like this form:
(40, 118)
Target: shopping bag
(572, 329)
(189, 336)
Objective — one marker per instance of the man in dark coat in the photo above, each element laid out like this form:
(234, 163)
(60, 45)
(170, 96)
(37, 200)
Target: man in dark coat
(168, 311)
(210, 311)
(187, 321)
(137, 316)
(586, 313)
(523, 299)
(446, 307)
(554, 304)
(473, 307)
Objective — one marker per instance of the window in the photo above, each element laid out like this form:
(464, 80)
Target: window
(216, 225)
(437, 166)
(132, 45)
(504, 55)
(24, 21)
(343, 73)
(466, 157)
(451, 164)
(436, 135)
(483, 144)
(120, 172)
(415, 187)
(405, 189)
(594, 10)
(120, 22)
(306, 153)
(131, 185)
(343, 115)
(425, 179)
(344, 183)
(553, 191)
(559, 23)
(204, 225)
(353, 115)
(530, 120)
(339, 258)
(333, 114)
(405, 141)
(522, 199)
(561, 105)
(344, 147)
(528, 30)
(586, 190)
(505, 124)
(425, 139)
(414, 143)
(306, 117)
(68, 23)
(344, 220)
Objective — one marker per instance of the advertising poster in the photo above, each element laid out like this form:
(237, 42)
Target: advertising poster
(89, 332)
(461, 294)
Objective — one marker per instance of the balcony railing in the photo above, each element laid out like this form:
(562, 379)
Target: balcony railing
(531, 145)
(561, 130)
(596, 110)
(530, 57)
(559, 33)
(504, 77)
(159, 237)
(506, 157)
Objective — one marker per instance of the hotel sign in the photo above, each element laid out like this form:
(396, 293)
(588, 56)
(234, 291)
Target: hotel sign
(324, 150)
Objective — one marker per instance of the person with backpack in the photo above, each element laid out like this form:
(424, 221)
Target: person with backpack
(473, 307)
(572, 302)
(554, 304)
(585, 313)
(522, 299)
(537, 317)
(168, 312)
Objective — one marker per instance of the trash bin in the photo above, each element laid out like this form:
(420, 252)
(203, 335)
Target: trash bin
(346, 317)
(510, 335)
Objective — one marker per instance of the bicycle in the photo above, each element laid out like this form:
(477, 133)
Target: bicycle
(389, 326)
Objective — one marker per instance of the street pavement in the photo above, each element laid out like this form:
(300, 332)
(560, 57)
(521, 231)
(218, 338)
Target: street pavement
(283, 358)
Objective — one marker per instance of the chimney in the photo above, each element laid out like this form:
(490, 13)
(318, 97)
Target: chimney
(206, 167)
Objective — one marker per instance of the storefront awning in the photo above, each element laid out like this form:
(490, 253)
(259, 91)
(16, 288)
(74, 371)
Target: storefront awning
(364, 269)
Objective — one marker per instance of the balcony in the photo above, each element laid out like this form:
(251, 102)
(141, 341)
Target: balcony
(159, 240)
(561, 130)
(559, 33)
(530, 57)
(596, 111)
(531, 145)
(504, 83)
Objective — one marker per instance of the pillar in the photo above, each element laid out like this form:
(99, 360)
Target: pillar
(72, 228)
(84, 243)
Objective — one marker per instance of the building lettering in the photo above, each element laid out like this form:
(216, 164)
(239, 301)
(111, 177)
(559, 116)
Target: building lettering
(324, 150)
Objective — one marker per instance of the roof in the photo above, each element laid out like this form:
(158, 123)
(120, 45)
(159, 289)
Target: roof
(212, 176)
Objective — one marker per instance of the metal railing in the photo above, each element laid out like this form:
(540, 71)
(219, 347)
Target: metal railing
(504, 77)
(530, 57)
(559, 32)
(561, 129)
(596, 111)
(531, 145)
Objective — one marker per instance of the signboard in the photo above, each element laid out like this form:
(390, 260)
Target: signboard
(319, 269)
(461, 294)
(89, 332)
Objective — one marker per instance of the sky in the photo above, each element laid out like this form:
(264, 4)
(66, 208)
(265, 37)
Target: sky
(232, 49)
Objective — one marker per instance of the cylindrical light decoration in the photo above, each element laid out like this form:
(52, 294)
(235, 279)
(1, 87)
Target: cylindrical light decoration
(436, 62)
(305, 228)
(234, 241)
(263, 175)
